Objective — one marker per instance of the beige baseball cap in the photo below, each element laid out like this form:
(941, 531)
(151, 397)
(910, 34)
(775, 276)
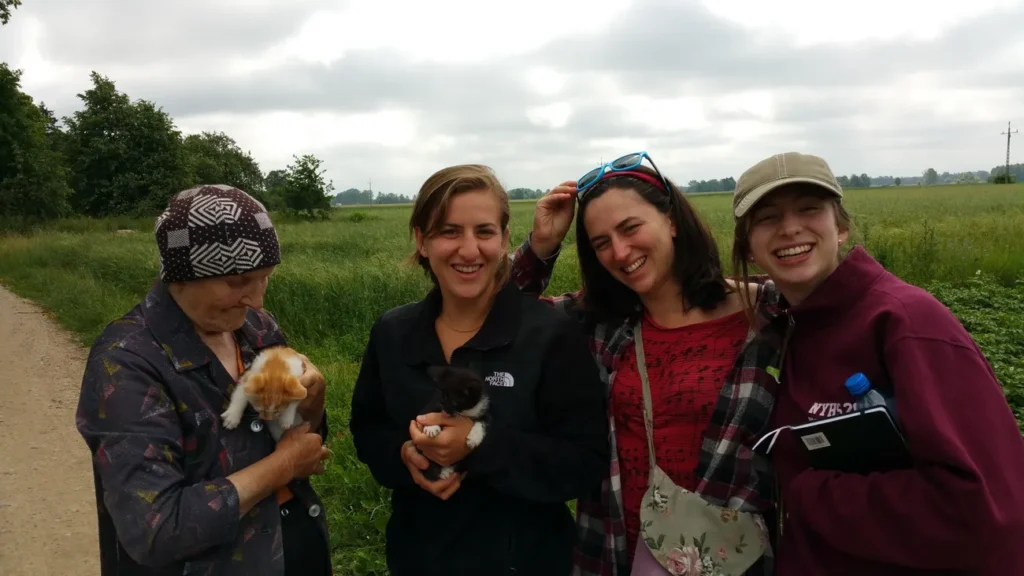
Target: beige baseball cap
(780, 170)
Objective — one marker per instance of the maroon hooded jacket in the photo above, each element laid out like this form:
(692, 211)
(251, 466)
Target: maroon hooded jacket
(961, 509)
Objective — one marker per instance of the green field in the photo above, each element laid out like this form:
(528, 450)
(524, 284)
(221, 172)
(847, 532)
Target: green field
(963, 243)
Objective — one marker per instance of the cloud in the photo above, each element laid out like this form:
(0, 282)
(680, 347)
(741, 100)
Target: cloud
(673, 46)
(544, 89)
(117, 32)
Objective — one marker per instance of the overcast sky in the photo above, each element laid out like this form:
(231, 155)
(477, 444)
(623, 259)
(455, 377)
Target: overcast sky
(391, 90)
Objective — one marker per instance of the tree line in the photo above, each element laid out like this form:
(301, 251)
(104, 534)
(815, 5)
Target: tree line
(116, 156)
(929, 177)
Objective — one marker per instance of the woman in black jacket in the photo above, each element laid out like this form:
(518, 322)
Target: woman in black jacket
(547, 441)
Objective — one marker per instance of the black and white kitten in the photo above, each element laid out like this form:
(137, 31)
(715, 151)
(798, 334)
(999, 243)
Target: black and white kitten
(460, 392)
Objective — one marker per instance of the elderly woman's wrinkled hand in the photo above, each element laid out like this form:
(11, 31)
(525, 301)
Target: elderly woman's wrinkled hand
(303, 451)
(311, 407)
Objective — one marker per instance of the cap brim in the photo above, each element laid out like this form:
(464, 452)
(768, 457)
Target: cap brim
(761, 191)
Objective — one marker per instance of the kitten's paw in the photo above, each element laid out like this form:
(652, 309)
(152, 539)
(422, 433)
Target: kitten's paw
(446, 472)
(432, 431)
(475, 436)
(231, 419)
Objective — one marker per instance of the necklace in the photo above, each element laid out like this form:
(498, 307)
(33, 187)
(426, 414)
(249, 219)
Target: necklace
(454, 329)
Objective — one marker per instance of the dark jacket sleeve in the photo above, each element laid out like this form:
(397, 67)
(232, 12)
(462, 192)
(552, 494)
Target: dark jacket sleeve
(378, 440)
(568, 457)
(132, 429)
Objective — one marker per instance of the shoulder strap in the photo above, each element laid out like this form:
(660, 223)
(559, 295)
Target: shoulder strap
(641, 364)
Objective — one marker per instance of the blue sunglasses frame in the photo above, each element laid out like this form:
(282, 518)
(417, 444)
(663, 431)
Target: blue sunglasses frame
(592, 177)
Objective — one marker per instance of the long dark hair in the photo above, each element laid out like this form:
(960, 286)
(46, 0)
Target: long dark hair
(696, 263)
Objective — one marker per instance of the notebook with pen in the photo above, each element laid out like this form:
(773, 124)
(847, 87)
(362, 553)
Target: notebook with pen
(860, 442)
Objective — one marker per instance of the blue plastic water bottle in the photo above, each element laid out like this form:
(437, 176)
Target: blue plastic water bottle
(860, 388)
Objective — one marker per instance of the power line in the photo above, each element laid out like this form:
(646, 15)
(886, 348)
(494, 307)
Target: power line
(1008, 134)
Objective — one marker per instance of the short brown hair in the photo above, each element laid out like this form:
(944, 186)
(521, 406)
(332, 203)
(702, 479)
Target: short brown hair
(431, 207)
(741, 244)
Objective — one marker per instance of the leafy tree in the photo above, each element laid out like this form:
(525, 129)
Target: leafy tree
(392, 198)
(5, 9)
(998, 174)
(352, 197)
(33, 180)
(306, 190)
(215, 158)
(125, 157)
(524, 194)
(276, 184)
(276, 179)
(715, 185)
(930, 177)
(54, 133)
(898, 181)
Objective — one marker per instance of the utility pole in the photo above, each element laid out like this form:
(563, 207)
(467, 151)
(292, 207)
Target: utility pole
(1008, 134)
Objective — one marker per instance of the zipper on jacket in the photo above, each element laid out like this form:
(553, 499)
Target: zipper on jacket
(779, 512)
(780, 508)
(790, 324)
(511, 553)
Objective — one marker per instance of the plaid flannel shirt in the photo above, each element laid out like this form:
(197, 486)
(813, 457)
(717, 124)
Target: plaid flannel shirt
(729, 472)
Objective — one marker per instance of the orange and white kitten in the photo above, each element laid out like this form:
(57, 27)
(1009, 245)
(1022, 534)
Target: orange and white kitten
(271, 385)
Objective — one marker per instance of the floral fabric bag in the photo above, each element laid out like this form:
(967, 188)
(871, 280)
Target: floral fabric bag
(681, 534)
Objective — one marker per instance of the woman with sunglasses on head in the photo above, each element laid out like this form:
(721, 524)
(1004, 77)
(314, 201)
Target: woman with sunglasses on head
(671, 340)
(960, 508)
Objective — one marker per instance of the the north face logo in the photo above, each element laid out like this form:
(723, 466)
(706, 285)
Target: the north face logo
(503, 379)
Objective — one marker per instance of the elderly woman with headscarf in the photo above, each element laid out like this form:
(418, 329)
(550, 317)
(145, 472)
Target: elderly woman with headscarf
(176, 492)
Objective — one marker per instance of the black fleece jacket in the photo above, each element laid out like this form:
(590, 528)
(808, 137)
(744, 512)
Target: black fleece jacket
(547, 443)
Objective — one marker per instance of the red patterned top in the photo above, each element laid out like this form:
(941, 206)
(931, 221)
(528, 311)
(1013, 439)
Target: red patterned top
(686, 367)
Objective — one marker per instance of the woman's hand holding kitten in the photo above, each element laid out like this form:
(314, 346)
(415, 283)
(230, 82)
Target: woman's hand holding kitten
(311, 408)
(416, 463)
(302, 451)
(447, 447)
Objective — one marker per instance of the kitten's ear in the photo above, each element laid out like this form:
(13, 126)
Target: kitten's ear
(436, 372)
(253, 382)
(293, 389)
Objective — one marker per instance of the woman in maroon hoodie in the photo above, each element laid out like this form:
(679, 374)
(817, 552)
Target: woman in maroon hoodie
(960, 509)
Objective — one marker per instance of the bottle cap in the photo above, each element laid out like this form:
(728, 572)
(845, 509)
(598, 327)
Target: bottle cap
(858, 384)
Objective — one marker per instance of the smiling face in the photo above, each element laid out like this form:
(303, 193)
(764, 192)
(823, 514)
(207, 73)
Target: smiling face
(632, 240)
(794, 237)
(468, 245)
(219, 304)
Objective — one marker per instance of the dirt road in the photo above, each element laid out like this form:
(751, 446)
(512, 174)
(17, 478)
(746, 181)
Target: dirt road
(47, 509)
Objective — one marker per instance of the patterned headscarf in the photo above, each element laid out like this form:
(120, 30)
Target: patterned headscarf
(214, 230)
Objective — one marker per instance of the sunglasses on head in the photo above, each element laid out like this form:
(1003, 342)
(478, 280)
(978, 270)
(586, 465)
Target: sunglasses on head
(624, 164)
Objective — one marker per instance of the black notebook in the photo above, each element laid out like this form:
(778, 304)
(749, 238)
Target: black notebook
(860, 442)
